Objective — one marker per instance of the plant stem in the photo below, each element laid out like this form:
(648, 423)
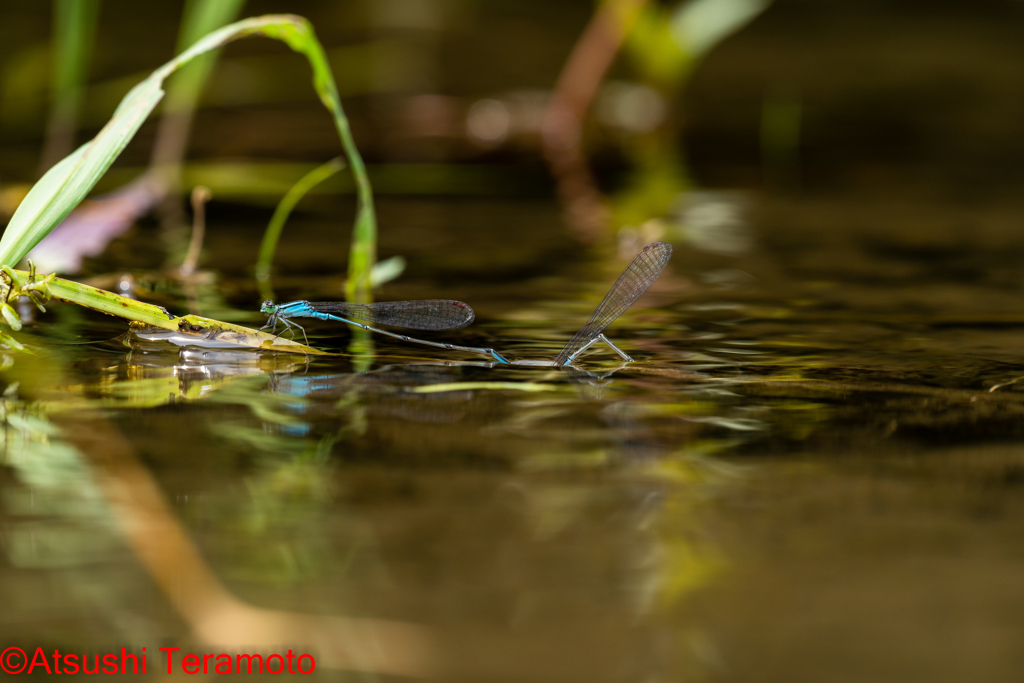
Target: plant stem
(272, 235)
(200, 196)
(157, 316)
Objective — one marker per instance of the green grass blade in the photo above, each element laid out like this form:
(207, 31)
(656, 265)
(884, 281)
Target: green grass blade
(272, 235)
(66, 184)
(73, 32)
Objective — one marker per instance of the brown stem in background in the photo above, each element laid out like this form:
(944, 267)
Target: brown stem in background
(200, 195)
(60, 135)
(561, 130)
(168, 153)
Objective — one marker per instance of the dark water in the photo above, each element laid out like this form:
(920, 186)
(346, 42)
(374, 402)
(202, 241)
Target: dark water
(813, 472)
(805, 476)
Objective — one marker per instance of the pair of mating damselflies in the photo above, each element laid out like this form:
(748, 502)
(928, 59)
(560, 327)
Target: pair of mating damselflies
(443, 314)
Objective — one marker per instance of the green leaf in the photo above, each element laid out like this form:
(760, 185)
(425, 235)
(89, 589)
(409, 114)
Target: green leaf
(9, 342)
(699, 25)
(67, 183)
(386, 270)
(10, 316)
(148, 314)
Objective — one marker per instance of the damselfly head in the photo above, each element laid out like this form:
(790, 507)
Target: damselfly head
(268, 307)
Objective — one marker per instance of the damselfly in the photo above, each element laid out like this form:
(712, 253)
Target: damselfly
(429, 314)
(636, 279)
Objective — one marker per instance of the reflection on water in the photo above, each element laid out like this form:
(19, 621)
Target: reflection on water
(789, 464)
(812, 472)
(493, 506)
(781, 448)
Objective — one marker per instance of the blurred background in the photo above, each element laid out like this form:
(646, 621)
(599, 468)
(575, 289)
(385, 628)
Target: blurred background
(813, 97)
(813, 473)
